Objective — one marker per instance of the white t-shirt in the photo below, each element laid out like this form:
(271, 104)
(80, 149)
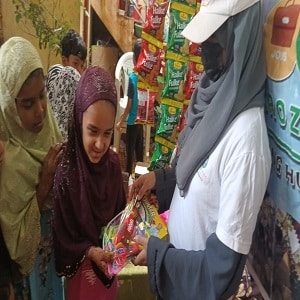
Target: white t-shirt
(226, 193)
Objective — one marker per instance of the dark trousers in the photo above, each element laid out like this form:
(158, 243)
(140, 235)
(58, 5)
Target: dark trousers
(134, 145)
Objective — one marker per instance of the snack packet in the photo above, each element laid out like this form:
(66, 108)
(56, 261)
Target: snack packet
(162, 153)
(146, 100)
(155, 18)
(138, 218)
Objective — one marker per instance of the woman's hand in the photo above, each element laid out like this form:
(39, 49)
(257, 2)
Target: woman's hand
(140, 186)
(50, 164)
(52, 159)
(141, 258)
(100, 258)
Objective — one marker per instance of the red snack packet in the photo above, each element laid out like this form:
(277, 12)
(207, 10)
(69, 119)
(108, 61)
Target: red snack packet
(149, 63)
(195, 70)
(155, 18)
(195, 49)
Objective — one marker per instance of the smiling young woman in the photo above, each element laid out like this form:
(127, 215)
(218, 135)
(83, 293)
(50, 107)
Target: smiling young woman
(88, 190)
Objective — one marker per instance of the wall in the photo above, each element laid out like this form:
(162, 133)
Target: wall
(120, 27)
(70, 8)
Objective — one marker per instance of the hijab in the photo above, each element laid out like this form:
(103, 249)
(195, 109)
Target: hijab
(215, 104)
(61, 93)
(86, 195)
(24, 155)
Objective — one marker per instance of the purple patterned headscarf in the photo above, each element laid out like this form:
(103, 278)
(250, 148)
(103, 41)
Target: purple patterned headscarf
(86, 195)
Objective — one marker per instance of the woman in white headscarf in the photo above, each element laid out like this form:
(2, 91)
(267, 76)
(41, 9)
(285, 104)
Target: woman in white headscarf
(220, 173)
(32, 152)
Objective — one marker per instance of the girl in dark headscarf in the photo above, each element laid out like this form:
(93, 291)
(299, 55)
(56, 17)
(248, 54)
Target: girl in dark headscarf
(88, 190)
(220, 172)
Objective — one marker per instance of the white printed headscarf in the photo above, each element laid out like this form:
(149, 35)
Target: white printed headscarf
(61, 94)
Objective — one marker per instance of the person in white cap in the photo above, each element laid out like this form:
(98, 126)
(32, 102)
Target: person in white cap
(219, 175)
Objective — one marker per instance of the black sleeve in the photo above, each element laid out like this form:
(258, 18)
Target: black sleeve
(177, 274)
(164, 187)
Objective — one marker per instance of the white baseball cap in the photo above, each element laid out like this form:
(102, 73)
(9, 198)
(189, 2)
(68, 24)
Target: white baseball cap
(212, 14)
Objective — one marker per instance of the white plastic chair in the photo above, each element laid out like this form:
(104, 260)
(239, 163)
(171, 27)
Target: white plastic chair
(123, 69)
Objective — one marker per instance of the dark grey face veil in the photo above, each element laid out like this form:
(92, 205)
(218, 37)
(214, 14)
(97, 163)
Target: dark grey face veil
(212, 54)
(215, 104)
(217, 52)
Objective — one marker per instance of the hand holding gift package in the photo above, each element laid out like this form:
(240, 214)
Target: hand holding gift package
(138, 218)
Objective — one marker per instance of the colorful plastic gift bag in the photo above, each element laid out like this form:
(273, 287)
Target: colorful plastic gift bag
(138, 218)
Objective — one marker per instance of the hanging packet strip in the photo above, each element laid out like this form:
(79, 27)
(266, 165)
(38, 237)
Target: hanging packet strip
(138, 218)
(155, 18)
(180, 16)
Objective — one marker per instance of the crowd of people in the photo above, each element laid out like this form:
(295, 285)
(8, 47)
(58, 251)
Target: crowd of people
(61, 183)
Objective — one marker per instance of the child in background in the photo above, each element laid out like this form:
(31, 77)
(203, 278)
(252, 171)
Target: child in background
(73, 51)
(73, 54)
(88, 190)
(62, 79)
(134, 132)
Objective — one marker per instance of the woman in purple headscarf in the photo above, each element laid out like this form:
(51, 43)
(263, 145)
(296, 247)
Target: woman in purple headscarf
(88, 190)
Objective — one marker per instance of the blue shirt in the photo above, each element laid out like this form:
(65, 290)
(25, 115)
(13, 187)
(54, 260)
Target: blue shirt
(132, 93)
